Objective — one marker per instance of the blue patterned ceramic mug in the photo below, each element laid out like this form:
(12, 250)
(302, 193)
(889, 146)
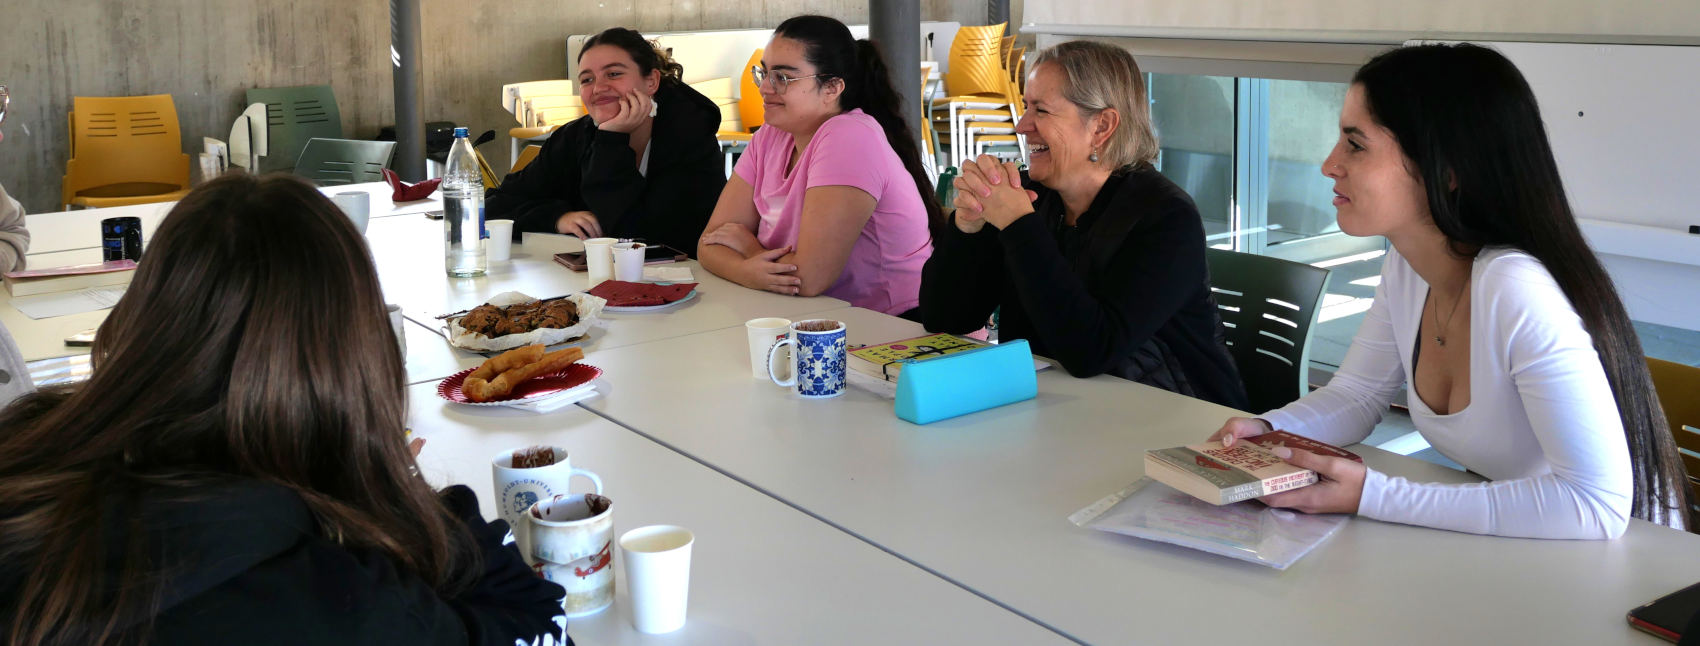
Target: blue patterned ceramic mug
(820, 358)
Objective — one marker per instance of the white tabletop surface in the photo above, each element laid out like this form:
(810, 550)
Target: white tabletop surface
(408, 251)
(983, 500)
(761, 572)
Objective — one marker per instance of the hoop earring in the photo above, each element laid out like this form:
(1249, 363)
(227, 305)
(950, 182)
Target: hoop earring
(1093, 157)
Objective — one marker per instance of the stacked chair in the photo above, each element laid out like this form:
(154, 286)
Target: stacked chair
(983, 87)
(732, 135)
(124, 150)
(294, 116)
(334, 162)
(540, 107)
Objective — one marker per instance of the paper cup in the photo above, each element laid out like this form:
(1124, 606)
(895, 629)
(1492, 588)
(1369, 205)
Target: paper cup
(396, 325)
(599, 259)
(628, 261)
(357, 205)
(500, 245)
(763, 334)
(658, 574)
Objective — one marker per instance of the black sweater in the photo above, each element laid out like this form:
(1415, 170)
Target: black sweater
(1125, 291)
(252, 568)
(583, 168)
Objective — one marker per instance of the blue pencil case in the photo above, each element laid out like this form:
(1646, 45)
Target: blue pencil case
(965, 382)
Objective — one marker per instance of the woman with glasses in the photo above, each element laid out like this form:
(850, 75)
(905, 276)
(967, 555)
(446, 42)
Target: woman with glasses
(642, 163)
(14, 238)
(830, 197)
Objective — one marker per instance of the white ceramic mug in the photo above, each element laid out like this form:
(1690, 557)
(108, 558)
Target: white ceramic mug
(572, 538)
(821, 359)
(599, 259)
(357, 205)
(500, 245)
(628, 261)
(763, 333)
(658, 575)
(518, 489)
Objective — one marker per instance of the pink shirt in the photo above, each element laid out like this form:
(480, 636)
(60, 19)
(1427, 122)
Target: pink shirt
(884, 269)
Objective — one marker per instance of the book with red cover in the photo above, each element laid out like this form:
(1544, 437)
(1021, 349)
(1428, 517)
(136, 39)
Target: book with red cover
(1220, 475)
(64, 279)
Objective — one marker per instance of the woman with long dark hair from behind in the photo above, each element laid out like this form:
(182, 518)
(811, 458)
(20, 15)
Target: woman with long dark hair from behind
(235, 470)
(1520, 360)
(830, 197)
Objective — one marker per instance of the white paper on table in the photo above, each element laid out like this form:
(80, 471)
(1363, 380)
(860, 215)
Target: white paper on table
(559, 400)
(41, 306)
(668, 274)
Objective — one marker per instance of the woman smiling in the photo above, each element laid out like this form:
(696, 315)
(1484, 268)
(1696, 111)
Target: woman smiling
(1095, 258)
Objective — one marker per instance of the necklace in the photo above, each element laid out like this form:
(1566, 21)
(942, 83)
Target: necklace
(1440, 334)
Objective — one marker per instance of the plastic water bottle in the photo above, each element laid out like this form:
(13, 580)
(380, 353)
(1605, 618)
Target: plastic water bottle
(463, 212)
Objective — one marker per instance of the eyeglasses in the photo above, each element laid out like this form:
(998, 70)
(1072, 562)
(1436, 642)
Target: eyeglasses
(5, 100)
(781, 82)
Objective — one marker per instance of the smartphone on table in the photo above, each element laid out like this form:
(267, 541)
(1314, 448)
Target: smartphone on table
(653, 254)
(1668, 616)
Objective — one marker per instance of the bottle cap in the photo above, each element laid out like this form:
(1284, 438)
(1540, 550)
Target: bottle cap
(460, 132)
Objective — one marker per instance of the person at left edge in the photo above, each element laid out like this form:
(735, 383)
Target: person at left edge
(642, 163)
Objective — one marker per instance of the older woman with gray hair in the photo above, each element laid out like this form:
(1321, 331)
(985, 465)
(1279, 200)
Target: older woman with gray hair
(1094, 257)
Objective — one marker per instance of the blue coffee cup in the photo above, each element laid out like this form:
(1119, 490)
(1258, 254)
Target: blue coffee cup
(819, 355)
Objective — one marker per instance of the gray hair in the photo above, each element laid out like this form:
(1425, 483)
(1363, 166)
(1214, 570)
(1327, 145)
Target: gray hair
(1099, 77)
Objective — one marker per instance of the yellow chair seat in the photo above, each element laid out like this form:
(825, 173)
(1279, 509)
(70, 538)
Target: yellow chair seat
(540, 132)
(979, 115)
(126, 195)
(972, 102)
(728, 135)
(996, 139)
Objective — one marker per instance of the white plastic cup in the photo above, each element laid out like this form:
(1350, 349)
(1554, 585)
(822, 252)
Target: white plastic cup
(763, 334)
(500, 245)
(397, 325)
(599, 257)
(658, 575)
(628, 261)
(357, 205)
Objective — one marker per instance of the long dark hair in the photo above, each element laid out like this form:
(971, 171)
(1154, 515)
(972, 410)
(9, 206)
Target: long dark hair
(828, 45)
(1464, 114)
(251, 345)
(643, 52)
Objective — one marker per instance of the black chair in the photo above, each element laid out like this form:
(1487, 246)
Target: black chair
(1268, 306)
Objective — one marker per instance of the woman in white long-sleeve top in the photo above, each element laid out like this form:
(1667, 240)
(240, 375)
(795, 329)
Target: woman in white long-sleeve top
(1518, 357)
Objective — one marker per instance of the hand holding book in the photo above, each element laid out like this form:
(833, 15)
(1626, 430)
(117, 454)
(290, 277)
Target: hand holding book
(1340, 481)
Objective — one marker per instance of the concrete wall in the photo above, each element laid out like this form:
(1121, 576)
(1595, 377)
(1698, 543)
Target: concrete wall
(206, 53)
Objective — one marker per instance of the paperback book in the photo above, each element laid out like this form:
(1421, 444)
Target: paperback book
(1220, 475)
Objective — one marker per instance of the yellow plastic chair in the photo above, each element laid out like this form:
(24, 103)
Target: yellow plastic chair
(982, 136)
(526, 155)
(124, 150)
(977, 84)
(749, 96)
(1679, 395)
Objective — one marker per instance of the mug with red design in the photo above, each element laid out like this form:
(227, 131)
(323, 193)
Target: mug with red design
(572, 541)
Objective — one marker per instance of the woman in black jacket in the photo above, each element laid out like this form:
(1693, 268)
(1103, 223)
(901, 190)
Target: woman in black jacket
(642, 163)
(1095, 258)
(235, 470)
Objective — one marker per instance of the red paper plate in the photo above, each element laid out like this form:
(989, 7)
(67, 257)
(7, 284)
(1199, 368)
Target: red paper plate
(573, 376)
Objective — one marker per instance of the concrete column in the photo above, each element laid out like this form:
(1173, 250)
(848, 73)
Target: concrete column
(409, 160)
(998, 11)
(896, 26)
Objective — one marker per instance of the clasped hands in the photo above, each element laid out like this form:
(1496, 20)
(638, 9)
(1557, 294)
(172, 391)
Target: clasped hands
(761, 268)
(1339, 486)
(989, 191)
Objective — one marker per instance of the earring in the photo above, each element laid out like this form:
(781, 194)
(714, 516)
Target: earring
(1093, 157)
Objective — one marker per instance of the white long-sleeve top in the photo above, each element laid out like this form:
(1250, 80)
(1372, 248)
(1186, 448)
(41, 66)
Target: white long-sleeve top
(1541, 424)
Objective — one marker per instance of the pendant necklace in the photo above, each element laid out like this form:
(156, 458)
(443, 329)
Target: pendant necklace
(1440, 335)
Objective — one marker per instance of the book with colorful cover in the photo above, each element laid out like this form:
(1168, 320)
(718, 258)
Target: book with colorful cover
(885, 361)
(1221, 475)
(64, 279)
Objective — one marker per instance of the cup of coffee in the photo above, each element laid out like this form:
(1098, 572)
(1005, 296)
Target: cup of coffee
(121, 239)
(599, 259)
(628, 261)
(523, 477)
(572, 539)
(819, 355)
(357, 205)
(763, 333)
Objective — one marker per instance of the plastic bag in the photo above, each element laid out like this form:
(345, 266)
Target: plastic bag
(1248, 530)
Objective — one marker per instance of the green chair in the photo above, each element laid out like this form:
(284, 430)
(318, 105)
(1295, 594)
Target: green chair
(295, 115)
(1268, 306)
(333, 162)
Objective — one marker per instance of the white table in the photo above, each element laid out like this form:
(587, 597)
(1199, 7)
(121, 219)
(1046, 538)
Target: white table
(410, 265)
(761, 572)
(57, 231)
(983, 500)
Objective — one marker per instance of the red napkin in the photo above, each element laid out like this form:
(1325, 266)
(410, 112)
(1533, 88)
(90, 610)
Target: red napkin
(623, 294)
(405, 192)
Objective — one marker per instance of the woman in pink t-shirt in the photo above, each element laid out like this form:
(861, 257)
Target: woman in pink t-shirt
(830, 197)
